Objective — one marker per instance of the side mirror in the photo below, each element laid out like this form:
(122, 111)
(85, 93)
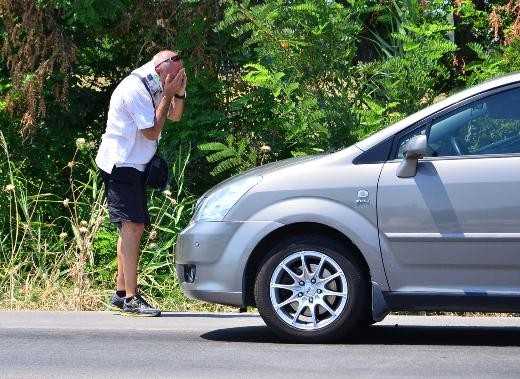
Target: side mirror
(414, 149)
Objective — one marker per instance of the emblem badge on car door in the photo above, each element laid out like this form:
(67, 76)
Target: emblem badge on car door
(362, 198)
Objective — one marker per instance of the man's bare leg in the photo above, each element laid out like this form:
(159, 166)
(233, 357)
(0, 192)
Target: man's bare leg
(130, 236)
(120, 285)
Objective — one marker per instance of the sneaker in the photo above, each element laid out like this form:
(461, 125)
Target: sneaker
(137, 306)
(117, 303)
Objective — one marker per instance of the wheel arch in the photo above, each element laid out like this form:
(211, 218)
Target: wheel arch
(294, 230)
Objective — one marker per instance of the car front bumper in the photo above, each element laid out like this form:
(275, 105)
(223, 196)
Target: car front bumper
(211, 257)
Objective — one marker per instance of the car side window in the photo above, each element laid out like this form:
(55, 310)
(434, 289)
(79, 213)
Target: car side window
(487, 126)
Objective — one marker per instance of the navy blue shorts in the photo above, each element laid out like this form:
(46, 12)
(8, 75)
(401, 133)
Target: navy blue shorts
(126, 195)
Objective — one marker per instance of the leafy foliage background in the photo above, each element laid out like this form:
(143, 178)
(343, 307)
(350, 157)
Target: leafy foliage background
(268, 80)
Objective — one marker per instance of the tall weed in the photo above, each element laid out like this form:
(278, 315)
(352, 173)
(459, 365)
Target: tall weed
(70, 262)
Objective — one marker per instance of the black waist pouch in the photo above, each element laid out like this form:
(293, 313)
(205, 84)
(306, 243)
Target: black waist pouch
(157, 173)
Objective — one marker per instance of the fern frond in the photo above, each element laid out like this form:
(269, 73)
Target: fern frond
(218, 156)
(306, 7)
(226, 165)
(212, 146)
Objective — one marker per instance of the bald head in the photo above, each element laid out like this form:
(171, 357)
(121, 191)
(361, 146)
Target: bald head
(164, 66)
(162, 56)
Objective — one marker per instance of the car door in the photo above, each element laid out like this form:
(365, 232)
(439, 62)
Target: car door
(455, 226)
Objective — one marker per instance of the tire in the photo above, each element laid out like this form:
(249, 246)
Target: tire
(323, 309)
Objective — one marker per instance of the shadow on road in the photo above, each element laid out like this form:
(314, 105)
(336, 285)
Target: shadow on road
(208, 315)
(389, 335)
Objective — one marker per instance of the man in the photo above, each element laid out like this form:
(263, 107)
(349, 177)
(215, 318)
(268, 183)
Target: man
(139, 107)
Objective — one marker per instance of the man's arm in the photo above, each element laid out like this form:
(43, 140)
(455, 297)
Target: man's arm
(161, 112)
(176, 109)
(177, 105)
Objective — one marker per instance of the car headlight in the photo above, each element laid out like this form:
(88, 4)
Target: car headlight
(216, 206)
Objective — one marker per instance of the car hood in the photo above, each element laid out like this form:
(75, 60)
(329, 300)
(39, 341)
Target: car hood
(274, 166)
(265, 169)
(344, 155)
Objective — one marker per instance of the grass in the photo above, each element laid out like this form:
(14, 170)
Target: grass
(68, 261)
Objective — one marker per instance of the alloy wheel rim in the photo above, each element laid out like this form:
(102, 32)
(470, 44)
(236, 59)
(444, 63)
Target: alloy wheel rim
(308, 290)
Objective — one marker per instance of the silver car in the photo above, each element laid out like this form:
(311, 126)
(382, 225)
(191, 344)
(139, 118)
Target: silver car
(423, 215)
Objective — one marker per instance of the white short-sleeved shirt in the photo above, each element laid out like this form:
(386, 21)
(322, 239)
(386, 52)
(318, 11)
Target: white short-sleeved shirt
(131, 110)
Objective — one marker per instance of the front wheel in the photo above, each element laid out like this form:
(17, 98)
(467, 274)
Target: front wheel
(311, 289)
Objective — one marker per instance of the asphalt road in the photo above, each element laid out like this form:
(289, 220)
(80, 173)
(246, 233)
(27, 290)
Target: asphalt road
(201, 345)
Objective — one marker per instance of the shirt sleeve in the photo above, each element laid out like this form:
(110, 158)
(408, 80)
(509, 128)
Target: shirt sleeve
(139, 105)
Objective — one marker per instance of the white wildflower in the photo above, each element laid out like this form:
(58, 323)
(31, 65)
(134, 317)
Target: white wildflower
(153, 235)
(9, 188)
(265, 149)
(66, 203)
(83, 230)
(167, 193)
(70, 164)
(63, 236)
(83, 223)
(80, 142)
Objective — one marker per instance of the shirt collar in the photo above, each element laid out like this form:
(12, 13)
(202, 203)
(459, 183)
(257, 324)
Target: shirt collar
(152, 78)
